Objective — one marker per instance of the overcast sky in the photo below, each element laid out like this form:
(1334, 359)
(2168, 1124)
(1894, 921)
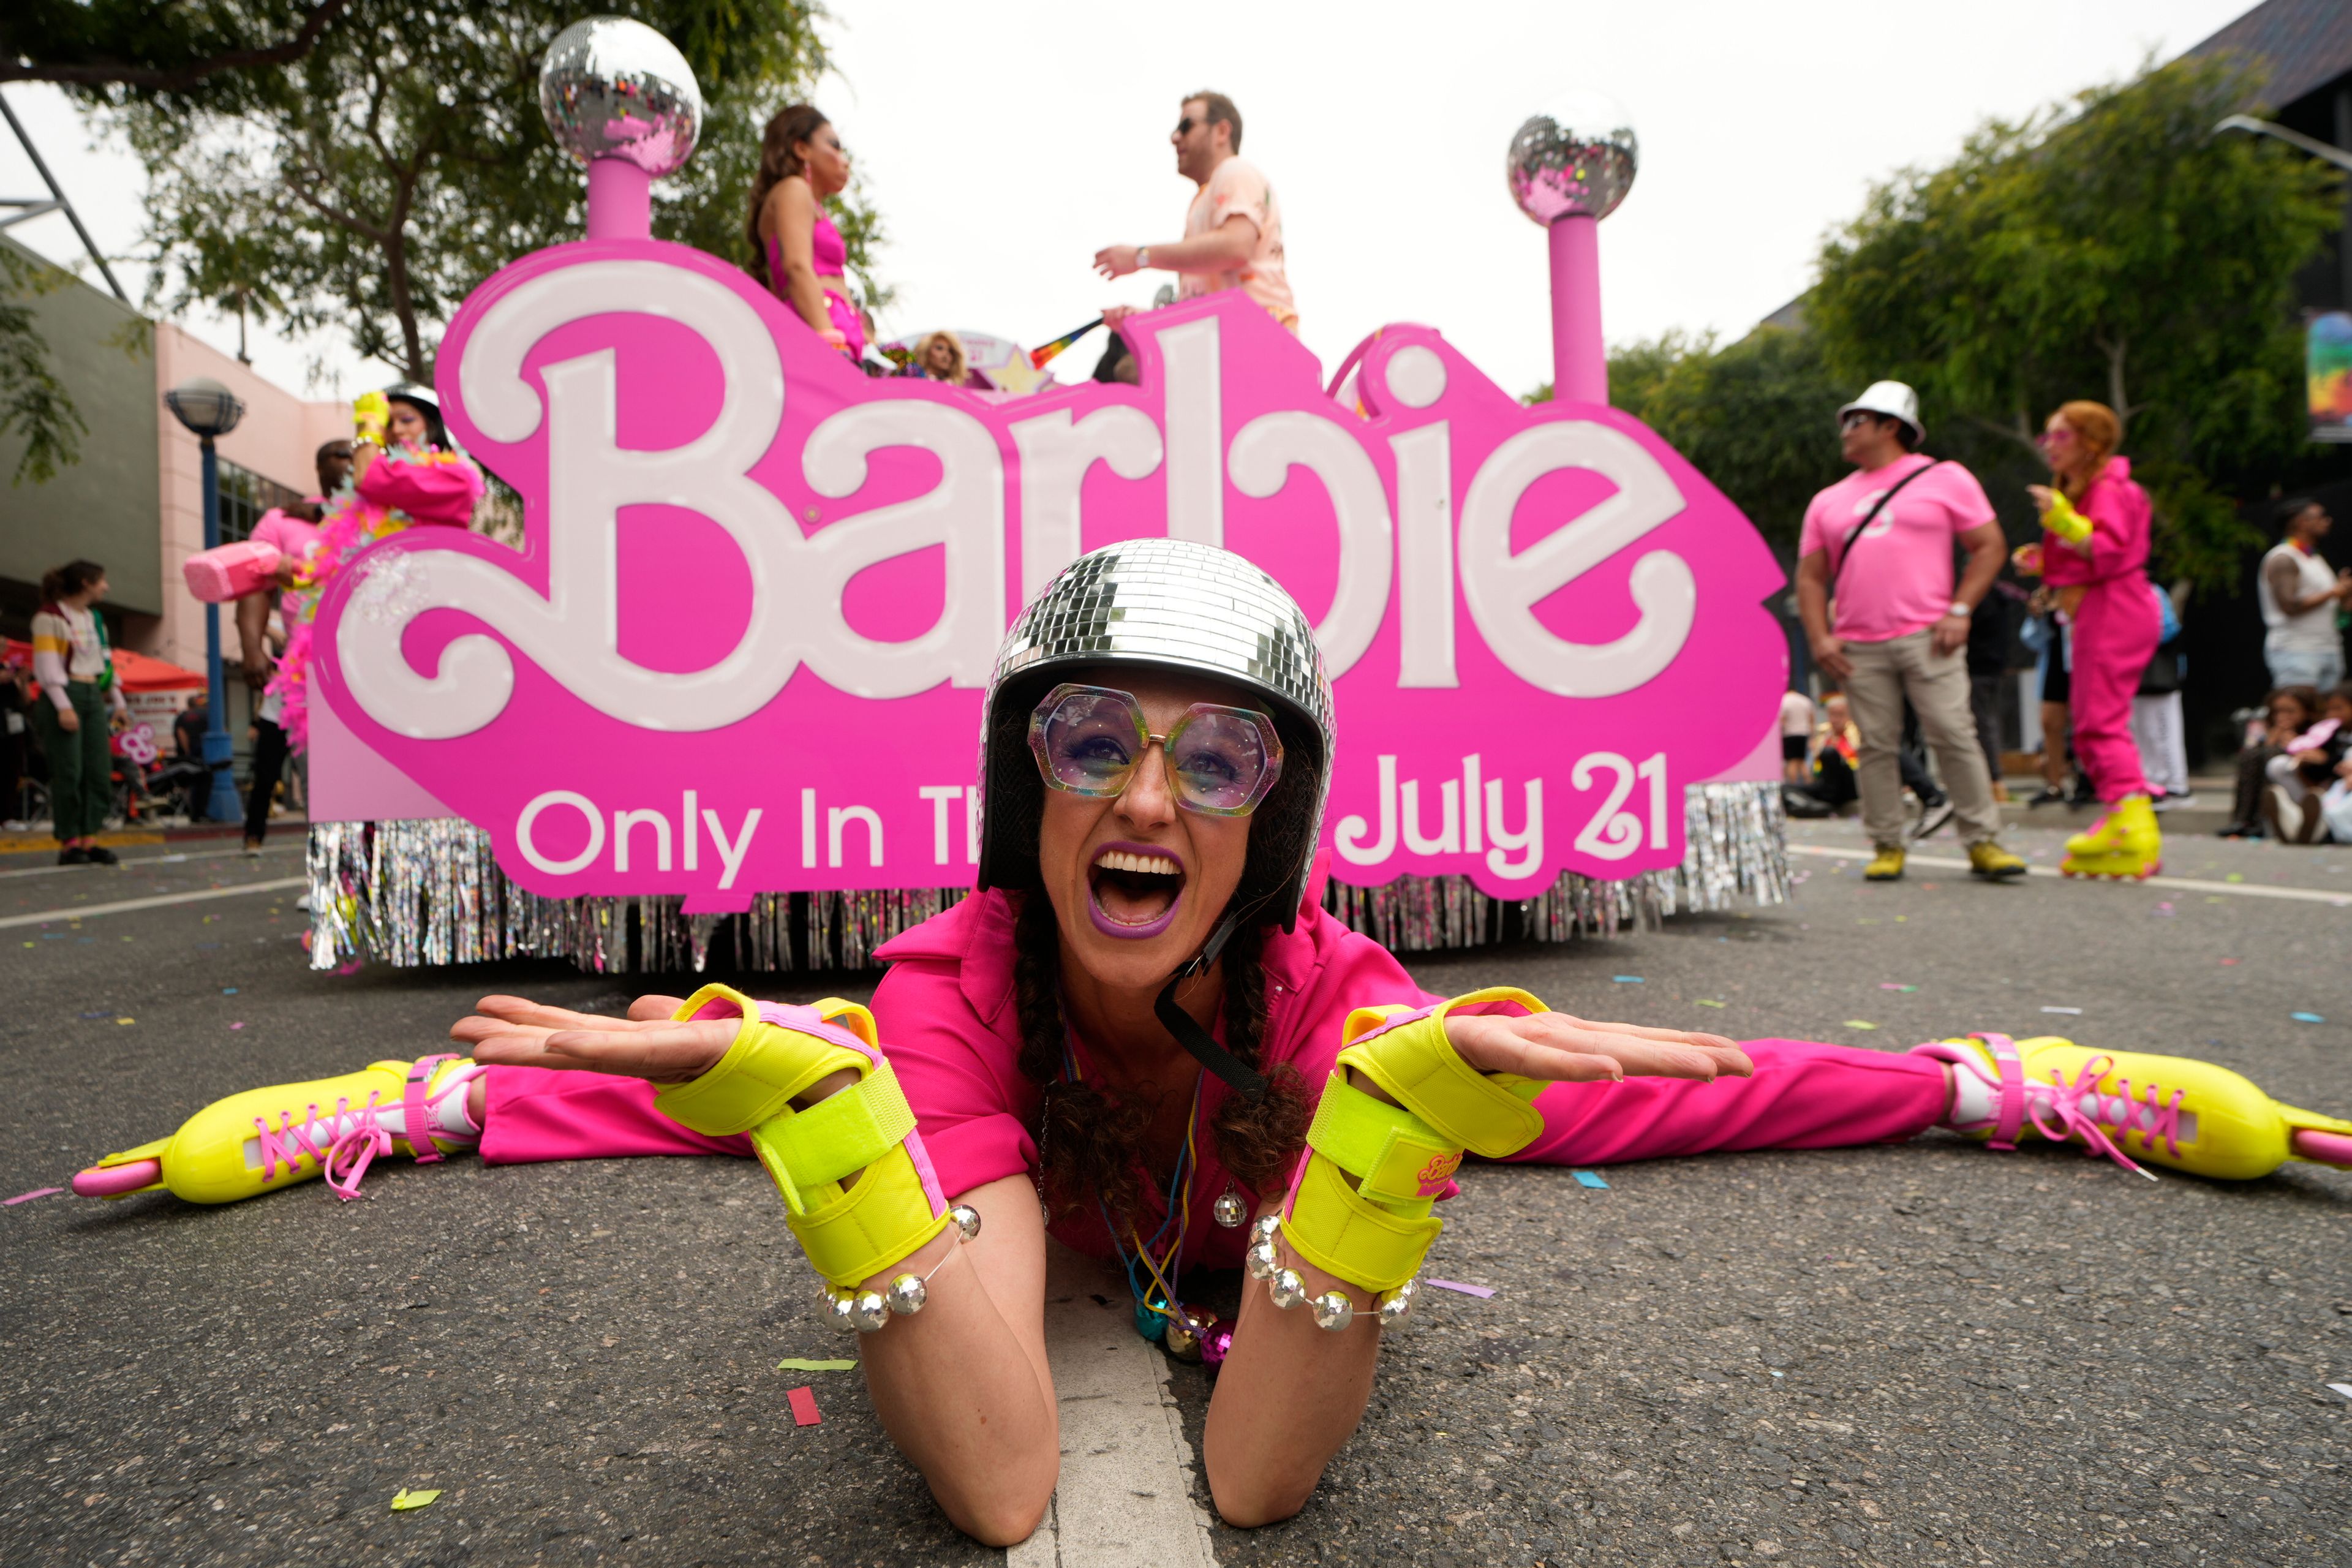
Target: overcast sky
(1005, 141)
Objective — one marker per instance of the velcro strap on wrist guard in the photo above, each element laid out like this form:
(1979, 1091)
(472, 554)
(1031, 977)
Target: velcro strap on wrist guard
(1407, 1055)
(866, 1130)
(1398, 1160)
(1346, 1234)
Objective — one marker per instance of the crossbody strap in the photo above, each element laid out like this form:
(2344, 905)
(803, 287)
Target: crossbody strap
(1845, 551)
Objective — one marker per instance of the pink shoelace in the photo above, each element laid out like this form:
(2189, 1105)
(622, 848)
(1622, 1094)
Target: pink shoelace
(348, 1149)
(2081, 1110)
(342, 1152)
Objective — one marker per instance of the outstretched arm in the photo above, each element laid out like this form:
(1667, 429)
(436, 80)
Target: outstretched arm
(961, 1386)
(1292, 1393)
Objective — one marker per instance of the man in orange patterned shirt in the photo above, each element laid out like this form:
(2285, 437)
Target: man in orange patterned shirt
(1233, 231)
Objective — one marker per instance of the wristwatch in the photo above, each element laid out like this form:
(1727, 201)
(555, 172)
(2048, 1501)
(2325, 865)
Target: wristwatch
(1142, 257)
(1962, 608)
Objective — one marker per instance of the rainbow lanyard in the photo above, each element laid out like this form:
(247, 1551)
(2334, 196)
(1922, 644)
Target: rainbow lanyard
(1163, 1257)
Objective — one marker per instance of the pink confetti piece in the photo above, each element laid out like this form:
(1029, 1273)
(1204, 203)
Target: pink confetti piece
(803, 1403)
(238, 1025)
(1478, 1291)
(28, 1197)
(350, 968)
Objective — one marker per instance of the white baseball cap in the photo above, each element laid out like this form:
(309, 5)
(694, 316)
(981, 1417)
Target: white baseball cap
(1893, 398)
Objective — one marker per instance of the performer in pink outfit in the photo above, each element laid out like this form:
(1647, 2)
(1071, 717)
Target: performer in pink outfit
(796, 250)
(2116, 623)
(2095, 555)
(952, 1023)
(406, 474)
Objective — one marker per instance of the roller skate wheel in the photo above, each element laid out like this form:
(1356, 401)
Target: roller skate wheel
(113, 1181)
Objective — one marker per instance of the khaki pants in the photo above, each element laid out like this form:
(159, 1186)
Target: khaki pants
(1938, 685)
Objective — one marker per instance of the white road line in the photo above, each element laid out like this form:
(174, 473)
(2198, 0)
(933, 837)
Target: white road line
(2185, 884)
(1125, 1495)
(161, 900)
(131, 862)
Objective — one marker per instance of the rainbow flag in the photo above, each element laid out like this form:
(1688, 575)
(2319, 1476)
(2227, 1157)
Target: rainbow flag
(1039, 356)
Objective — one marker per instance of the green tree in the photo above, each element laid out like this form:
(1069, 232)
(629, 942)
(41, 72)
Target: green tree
(1756, 416)
(130, 46)
(34, 404)
(368, 186)
(2117, 249)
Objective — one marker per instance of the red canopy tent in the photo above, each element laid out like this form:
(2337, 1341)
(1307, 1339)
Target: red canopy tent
(135, 672)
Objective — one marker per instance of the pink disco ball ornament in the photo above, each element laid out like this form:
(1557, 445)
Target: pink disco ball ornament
(1577, 161)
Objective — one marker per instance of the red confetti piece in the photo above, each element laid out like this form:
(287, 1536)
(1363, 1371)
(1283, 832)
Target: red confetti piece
(803, 1403)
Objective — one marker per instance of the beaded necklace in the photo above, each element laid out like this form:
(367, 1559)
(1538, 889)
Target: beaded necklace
(1157, 1309)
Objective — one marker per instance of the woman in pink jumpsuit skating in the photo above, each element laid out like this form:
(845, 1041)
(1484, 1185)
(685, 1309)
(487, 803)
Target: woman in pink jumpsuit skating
(2095, 522)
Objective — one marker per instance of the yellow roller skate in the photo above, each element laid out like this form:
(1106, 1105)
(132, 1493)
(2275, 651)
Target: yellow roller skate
(269, 1138)
(2170, 1110)
(2125, 845)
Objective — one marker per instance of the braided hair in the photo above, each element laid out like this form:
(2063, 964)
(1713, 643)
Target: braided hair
(1090, 1138)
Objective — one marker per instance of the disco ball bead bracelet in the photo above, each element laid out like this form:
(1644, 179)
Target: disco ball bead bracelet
(867, 1310)
(1334, 1310)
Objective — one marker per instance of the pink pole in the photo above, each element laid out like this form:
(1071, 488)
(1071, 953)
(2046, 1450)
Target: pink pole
(621, 200)
(1580, 362)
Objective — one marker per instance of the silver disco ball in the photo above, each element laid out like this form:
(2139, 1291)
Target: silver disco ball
(1579, 159)
(612, 87)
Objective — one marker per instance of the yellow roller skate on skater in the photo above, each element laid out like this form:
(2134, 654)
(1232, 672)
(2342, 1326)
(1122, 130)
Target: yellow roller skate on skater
(2126, 844)
(2131, 1106)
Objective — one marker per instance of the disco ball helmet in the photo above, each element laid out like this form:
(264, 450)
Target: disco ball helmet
(1178, 607)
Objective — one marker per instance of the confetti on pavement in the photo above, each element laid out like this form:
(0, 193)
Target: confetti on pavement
(1480, 1292)
(1858, 1024)
(1590, 1179)
(2343, 1388)
(1707, 1002)
(407, 1499)
(2070, 1012)
(803, 1403)
(2307, 1017)
(1629, 980)
(802, 1364)
(1891, 985)
(28, 1197)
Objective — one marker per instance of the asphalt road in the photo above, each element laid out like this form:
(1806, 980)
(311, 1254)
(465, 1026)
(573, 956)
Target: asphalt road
(1907, 1355)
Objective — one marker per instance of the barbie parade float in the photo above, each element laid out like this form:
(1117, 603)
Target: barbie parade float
(1146, 1032)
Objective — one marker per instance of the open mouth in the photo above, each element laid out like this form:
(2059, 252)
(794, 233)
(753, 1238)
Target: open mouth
(1134, 890)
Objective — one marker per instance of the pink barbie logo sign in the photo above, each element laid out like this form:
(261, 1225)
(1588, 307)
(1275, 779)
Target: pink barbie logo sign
(744, 646)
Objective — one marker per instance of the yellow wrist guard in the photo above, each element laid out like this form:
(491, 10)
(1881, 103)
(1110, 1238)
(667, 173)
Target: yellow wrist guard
(2063, 521)
(1373, 1230)
(867, 1130)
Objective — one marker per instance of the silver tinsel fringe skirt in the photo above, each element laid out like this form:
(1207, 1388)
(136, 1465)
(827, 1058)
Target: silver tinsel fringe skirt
(417, 892)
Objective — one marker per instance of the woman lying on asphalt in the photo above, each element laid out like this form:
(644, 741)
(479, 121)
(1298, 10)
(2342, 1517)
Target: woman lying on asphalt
(1145, 1037)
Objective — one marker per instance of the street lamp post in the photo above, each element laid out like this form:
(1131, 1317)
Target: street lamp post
(208, 409)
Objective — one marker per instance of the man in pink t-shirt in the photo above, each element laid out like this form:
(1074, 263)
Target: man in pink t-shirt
(1901, 627)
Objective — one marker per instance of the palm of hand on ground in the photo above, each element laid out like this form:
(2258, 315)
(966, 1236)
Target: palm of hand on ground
(650, 1043)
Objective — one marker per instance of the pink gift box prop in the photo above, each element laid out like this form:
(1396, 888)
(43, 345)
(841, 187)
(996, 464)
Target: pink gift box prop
(231, 570)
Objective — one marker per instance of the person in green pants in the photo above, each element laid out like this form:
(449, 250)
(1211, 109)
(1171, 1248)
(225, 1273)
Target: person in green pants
(80, 697)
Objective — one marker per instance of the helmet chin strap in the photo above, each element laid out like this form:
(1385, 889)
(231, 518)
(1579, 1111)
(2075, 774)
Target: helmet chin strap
(1245, 1079)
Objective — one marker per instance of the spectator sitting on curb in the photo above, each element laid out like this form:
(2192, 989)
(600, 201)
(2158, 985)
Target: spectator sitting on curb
(2306, 770)
(2286, 713)
(1833, 780)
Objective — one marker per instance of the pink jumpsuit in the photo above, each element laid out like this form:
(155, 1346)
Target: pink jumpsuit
(2116, 627)
(952, 1034)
